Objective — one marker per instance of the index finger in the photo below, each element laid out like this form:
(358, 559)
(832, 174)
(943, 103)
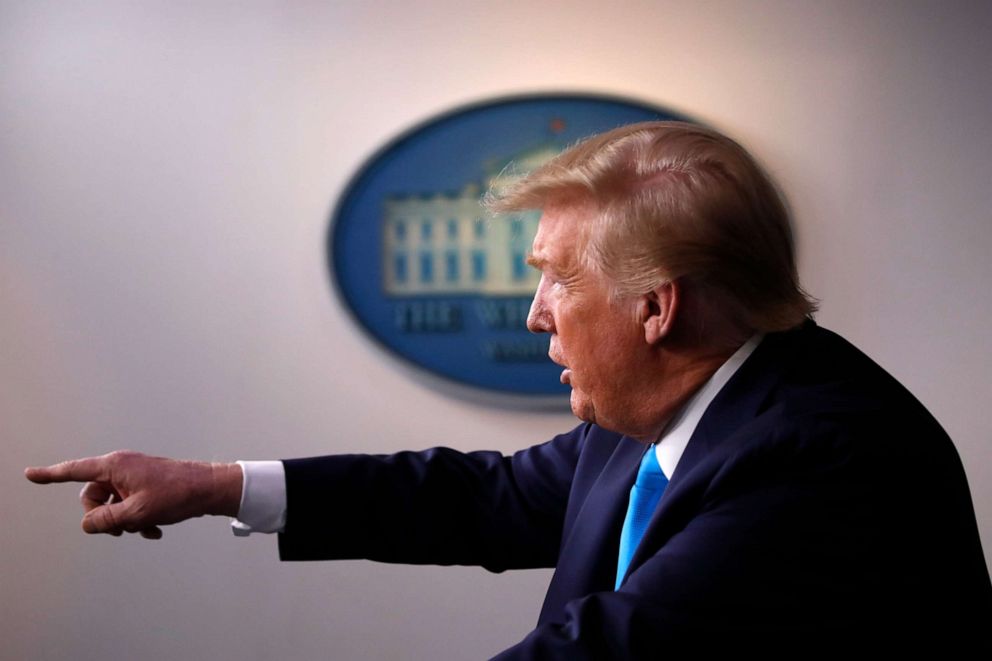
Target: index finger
(74, 470)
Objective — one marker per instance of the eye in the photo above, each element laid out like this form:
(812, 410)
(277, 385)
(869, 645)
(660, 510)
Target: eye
(565, 281)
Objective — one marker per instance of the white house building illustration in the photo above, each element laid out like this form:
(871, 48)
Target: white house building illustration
(444, 243)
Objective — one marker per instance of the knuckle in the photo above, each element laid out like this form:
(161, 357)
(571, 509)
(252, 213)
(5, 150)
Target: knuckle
(119, 455)
(121, 460)
(108, 520)
(123, 455)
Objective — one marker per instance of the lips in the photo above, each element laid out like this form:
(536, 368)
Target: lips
(566, 374)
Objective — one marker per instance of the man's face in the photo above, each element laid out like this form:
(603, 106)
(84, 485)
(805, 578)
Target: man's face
(598, 342)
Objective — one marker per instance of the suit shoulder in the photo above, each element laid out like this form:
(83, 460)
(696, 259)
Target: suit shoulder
(827, 376)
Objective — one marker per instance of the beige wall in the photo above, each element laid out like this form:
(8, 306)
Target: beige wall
(166, 174)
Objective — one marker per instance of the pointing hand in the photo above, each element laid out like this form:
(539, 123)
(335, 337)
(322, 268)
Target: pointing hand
(131, 492)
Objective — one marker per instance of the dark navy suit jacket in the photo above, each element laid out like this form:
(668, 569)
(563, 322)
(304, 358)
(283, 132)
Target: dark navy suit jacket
(816, 505)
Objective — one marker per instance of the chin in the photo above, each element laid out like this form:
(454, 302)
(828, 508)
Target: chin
(582, 408)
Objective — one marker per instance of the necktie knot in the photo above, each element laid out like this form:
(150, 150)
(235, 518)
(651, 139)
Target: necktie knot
(650, 475)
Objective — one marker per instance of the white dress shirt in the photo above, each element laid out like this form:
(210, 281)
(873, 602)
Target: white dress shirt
(263, 495)
(676, 436)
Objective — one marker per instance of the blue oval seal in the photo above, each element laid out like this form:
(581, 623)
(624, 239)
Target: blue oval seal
(421, 267)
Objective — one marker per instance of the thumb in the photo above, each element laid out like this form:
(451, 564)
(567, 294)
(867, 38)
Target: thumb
(111, 518)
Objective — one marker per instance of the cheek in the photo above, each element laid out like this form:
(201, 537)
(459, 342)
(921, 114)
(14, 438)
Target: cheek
(614, 358)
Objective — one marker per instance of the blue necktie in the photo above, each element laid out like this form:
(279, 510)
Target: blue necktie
(644, 497)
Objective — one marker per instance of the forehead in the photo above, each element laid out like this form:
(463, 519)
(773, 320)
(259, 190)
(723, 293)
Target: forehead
(562, 234)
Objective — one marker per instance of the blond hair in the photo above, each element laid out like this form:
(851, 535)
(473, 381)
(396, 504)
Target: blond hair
(677, 200)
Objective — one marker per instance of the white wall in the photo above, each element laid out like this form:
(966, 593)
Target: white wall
(166, 175)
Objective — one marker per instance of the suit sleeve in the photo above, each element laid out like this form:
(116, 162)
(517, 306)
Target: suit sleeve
(438, 506)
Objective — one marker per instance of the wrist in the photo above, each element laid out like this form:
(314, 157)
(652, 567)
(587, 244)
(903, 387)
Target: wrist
(227, 481)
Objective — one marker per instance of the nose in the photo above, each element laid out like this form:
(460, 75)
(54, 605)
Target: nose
(540, 319)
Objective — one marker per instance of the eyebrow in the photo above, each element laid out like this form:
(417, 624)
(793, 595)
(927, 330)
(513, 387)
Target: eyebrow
(543, 264)
(535, 261)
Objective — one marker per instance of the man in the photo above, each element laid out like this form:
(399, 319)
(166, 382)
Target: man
(742, 476)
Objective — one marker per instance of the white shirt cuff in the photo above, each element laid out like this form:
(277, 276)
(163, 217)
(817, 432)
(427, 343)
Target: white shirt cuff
(263, 498)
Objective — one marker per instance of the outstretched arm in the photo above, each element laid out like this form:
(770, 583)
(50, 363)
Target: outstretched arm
(437, 506)
(131, 492)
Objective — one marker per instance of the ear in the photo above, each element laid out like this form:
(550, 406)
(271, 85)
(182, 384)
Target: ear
(657, 310)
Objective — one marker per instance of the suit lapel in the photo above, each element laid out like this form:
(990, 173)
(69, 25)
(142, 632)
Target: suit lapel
(738, 402)
(587, 561)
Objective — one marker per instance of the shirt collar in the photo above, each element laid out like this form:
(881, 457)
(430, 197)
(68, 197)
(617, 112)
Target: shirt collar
(676, 436)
